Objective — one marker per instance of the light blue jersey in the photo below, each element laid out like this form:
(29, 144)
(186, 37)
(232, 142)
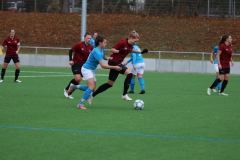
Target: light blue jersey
(215, 50)
(93, 59)
(136, 57)
(92, 42)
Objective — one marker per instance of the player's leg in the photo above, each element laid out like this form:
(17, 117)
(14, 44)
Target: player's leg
(5, 65)
(113, 74)
(215, 83)
(140, 77)
(219, 84)
(132, 84)
(225, 81)
(127, 72)
(217, 71)
(17, 71)
(89, 75)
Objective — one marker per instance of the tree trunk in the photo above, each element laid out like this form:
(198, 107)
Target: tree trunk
(65, 7)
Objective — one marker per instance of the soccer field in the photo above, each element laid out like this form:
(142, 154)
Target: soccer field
(179, 120)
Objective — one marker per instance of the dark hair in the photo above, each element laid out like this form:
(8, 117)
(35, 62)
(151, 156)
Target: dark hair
(98, 40)
(87, 33)
(94, 32)
(223, 39)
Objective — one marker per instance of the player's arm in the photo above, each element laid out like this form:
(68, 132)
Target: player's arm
(211, 57)
(232, 63)
(70, 57)
(105, 66)
(140, 52)
(218, 58)
(18, 48)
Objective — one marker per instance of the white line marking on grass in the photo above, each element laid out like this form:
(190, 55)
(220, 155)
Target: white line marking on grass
(100, 75)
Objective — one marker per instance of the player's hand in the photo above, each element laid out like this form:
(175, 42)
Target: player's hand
(134, 68)
(110, 58)
(232, 63)
(211, 60)
(144, 51)
(121, 51)
(71, 63)
(219, 66)
(118, 68)
(16, 52)
(125, 63)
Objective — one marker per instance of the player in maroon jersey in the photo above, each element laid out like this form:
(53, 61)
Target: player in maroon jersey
(81, 52)
(120, 50)
(13, 46)
(224, 57)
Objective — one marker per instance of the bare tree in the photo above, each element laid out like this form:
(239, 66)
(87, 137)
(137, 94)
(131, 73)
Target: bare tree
(65, 7)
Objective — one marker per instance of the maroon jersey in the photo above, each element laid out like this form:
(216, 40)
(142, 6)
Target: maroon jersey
(82, 52)
(12, 46)
(121, 45)
(226, 55)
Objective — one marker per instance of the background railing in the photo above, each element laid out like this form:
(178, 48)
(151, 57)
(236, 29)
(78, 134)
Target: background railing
(158, 55)
(222, 8)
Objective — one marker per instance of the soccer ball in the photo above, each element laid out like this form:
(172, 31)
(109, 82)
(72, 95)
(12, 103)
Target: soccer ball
(138, 104)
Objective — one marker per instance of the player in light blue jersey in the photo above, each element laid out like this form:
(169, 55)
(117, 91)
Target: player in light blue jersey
(215, 62)
(96, 57)
(138, 67)
(92, 41)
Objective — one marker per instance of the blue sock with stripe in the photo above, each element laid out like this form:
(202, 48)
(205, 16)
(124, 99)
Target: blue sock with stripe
(132, 84)
(142, 83)
(81, 87)
(85, 95)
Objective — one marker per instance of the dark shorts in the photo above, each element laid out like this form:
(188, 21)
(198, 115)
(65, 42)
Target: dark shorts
(76, 69)
(224, 71)
(8, 59)
(113, 74)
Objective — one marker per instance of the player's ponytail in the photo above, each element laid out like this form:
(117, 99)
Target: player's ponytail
(223, 39)
(98, 40)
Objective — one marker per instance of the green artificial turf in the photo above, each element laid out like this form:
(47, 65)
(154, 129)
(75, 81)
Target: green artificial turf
(179, 120)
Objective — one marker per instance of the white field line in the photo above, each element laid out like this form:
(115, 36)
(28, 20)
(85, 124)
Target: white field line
(58, 74)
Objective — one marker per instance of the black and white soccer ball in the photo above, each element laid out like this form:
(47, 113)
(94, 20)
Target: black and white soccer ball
(138, 104)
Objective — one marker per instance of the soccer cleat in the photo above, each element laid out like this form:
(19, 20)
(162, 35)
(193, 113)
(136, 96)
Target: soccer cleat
(81, 106)
(214, 90)
(125, 97)
(70, 97)
(18, 81)
(1, 80)
(65, 93)
(223, 94)
(131, 92)
(219, 90)
(90, 99)
(209, 91)
(142, 92)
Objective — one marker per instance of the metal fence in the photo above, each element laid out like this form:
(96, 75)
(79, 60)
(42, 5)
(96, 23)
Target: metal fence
(202, 56)
(219, 8)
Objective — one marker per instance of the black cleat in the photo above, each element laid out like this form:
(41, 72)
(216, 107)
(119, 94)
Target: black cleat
(131, 92)
(142, 92)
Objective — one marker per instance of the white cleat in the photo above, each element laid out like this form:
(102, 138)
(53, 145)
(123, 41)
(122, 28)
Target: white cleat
(90, 99)
(70, 97)
(1, 80)
(18, 81)
(209, 91)
(223, 94)
(214, 90)
(125, 97)
(65, 93)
